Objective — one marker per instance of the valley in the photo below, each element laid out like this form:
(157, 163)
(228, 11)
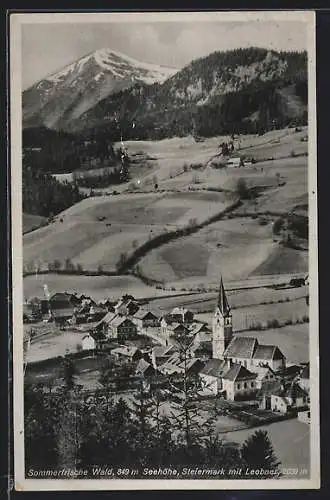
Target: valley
(99, 231)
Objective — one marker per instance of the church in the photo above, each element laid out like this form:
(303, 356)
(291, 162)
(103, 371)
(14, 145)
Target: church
(240, 365)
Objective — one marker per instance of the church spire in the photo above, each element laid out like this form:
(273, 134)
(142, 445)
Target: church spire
(222, 300)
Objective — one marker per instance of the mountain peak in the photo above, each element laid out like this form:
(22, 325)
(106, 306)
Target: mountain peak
(79, 86)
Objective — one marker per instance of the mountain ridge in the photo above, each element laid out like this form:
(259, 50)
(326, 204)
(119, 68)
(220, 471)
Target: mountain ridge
(241, 90)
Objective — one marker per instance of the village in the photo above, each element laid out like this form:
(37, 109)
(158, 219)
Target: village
(251, 381)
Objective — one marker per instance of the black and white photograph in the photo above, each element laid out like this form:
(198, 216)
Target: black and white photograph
(164, 249)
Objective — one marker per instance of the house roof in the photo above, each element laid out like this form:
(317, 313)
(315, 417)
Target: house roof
(178, 310)
(143, 366)
(125, 350)
(87, 335)
(222, 303)
(238, 372)
(305, 372)
(295, 391)
(204, 337)
(175, 326)
(263, 371)
(142, 313)
(269, 352)
(119, 320)
(65, 312)
(175, 364)
(107, 318)
(199, 327)
(241, 347)
(160, 350)
(214, 368)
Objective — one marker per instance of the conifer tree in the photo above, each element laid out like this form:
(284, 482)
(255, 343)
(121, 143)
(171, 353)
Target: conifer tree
(258, 452)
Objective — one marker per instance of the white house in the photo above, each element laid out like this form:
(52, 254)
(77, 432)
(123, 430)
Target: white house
(265, 376)
(291, 398)
(303, 378)
(211, 375)
(88, 343)
(235, 161)
(239, 383)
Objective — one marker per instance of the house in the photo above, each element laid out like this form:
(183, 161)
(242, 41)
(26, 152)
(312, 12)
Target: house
(144, 368)
(176, 329)
(127, 306)
(62, 306)
(103, 323)
(122, 328)
(304, 416)
(108, 304)
(165, 322)
(211, 375)
(160, 354)
(182, 315)
(303, 378)
(88, 342)
(145, 319)
(175, 364)
(265, 377)
(234, 161)
(239, 383)
(290, 398)
(129, 353)
(61, 316)
(201, 332)
(202, 350)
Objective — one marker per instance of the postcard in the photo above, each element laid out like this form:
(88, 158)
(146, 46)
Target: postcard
(164, 250)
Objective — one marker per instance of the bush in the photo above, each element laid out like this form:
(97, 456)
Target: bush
(273, 323)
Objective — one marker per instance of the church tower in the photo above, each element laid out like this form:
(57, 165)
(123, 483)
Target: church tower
(222, 328)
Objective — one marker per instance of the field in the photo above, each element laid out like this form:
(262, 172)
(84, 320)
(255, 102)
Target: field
(53, 345)
(96, 231)
(238, 299)
(223, 247)
(98, 287)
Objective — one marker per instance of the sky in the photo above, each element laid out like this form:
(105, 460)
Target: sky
(47, 48)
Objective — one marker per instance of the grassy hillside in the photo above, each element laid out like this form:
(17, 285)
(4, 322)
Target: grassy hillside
(96, 231)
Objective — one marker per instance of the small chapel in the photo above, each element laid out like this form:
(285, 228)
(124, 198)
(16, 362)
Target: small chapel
(240, 365)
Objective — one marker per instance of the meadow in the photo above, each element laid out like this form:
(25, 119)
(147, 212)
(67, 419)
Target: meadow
(98, 287)
(97, 230)
(223, 248)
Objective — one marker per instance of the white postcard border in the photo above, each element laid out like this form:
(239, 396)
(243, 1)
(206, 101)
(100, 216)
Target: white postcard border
(23, 484)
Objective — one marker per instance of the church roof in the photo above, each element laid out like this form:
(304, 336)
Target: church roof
(238, 372)
(264, 351)
(241, 347)
(222, 300)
